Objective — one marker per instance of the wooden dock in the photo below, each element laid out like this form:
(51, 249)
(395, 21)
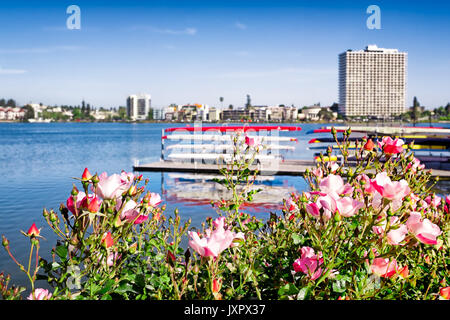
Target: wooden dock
(285, 168)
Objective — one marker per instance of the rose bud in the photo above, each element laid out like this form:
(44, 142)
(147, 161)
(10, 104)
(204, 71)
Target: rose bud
(132, 191)
(445, 293)
(369, 145)
(86, 175)
(33, 231)
(5, 242)
(94, 205)
(107, 240)
(95, 179)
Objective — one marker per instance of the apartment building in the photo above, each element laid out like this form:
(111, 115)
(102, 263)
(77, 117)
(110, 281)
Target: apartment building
(372, 82)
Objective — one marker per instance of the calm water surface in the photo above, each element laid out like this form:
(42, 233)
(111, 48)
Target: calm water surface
(38, 161)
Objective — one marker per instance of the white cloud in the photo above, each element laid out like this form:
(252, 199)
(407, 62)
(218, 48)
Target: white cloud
(41, 49)
(185, 31)
(240, 26)
(12, 71)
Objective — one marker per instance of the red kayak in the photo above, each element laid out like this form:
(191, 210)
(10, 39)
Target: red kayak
(235, 128)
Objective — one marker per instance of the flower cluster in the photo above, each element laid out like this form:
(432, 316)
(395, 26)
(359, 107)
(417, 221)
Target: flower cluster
(368, 228)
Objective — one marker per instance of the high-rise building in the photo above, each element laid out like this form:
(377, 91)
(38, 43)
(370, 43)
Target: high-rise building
(372, 82)
(138, 106)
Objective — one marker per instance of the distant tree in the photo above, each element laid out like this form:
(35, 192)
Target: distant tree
(221, 101)
(415, 110)
(249, 103)
(334, 107)
(324, 114)
(88, 110)
(122, 113)
(29, 112)
(77, 114)
(11, 103)
(83, 108)
(2, 102)
(150, 114)
(447, 108)
(230, 107)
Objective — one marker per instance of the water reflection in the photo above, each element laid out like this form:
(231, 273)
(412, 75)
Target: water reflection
(185, 189)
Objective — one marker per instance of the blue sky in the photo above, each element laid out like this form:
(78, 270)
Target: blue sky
(197, 51)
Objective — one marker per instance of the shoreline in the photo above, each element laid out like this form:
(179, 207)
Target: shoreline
(359, 123)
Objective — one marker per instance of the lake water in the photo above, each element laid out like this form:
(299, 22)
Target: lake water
(38, 161)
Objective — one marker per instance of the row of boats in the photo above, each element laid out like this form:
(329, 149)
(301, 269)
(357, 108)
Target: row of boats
(431, 145)
(214, 144)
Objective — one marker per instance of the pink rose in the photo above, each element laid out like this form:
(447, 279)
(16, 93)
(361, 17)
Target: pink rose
(309, 263)
(155, 199)
(324, 202)
(113, 186)
(252, 142)
(396, 236)
(40, 294)
(390, 146)
(415, 165)
(291, 205)
(384, 267)
(70, 204)
(347, 206)
(435, 202)
(334, 186)
(367, 182)
(333, 166)
(215, 241)
(392, 190)
(424, 230)
(130, 211)
(447, 199)
(93, 206)
(318, 173)
(112, 258)
(313, 209)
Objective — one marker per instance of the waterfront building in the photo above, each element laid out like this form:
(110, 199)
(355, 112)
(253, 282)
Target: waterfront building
(138, 106)
(214, 114)
(289, 113)
(11, 113)
(311, 113)
(158, 114)
(275, 113)
(235, 114)
(260, 113)
(372, 82)
(38, 109)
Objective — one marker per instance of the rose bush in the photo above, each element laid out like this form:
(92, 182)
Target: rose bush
(369, 228)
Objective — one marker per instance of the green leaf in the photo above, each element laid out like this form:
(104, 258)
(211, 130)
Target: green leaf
(140, 280)
(287, 289)
(61, 251)
(304, 293)
(107, 286)
(339, 286)
(297, 239)
(125, 287)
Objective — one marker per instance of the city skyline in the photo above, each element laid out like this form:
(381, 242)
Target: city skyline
(283, 52)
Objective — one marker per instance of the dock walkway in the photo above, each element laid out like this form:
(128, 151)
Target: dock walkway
(285, 168)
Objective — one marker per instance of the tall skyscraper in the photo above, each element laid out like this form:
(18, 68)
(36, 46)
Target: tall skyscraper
(372, 82)
(138, 106)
